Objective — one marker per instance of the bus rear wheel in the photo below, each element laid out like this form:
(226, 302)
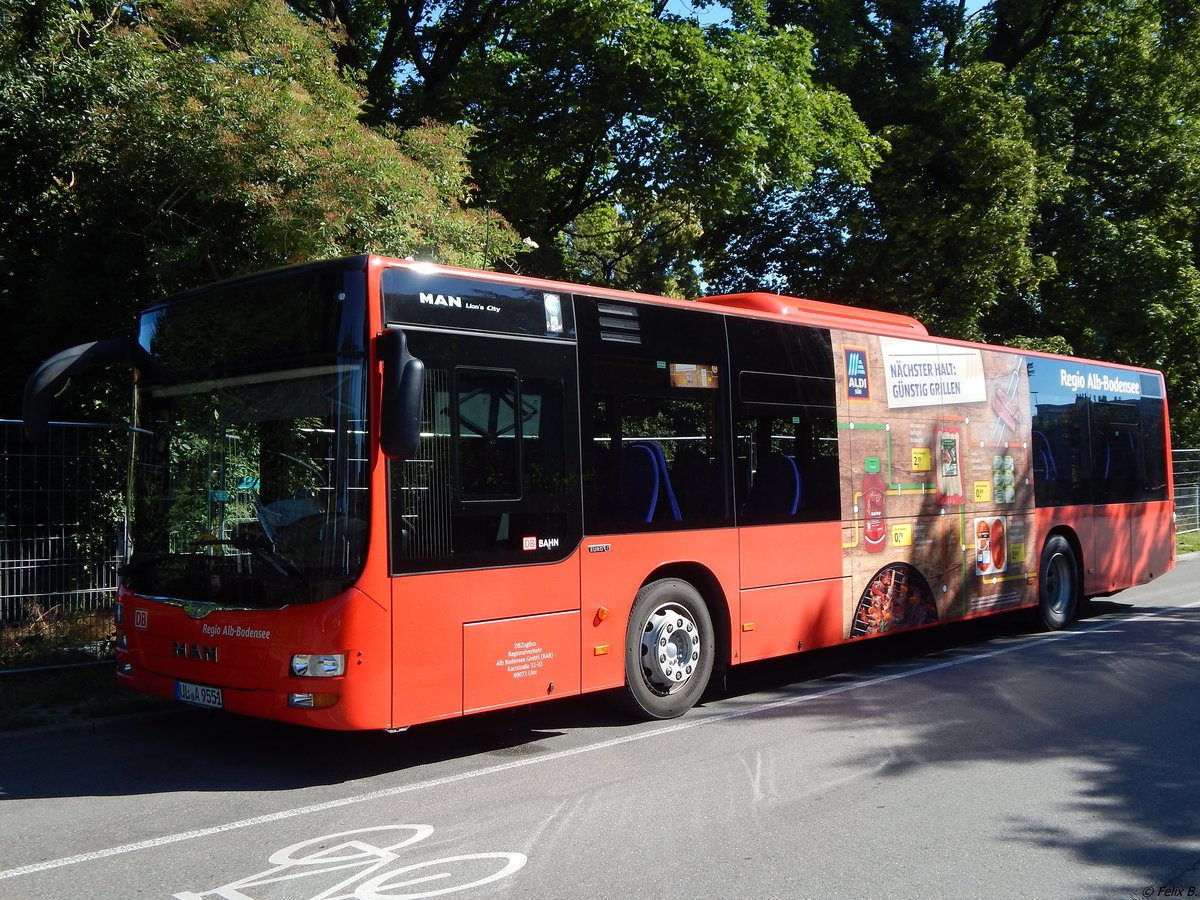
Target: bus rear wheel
(1058, 583)
(669, 649)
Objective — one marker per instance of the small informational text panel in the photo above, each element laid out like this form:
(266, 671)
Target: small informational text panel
(511, 661)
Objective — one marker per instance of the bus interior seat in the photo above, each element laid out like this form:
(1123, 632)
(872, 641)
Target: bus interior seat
(638, 483)
(694, 478)
(664, 477)
(1043, 459)
(775, 490)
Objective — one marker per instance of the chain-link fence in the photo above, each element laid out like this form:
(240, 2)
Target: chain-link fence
(62, 539)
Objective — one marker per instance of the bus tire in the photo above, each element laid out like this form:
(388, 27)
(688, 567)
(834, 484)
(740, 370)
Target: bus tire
(1058, 583)
(669, 649)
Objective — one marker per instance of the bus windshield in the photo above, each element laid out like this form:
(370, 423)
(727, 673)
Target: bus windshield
(250, 456)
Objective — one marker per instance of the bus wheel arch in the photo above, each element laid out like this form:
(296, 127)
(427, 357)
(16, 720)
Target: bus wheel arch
(1060, 579)
(673, 642)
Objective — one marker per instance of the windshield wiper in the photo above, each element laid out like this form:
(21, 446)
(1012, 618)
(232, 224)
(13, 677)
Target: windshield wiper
(266, 551)
(280, 563)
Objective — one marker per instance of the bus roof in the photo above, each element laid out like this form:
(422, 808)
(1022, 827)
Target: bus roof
(818, 312)
(811, 312)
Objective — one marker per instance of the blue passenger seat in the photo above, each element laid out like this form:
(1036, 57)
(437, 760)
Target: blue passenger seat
(776, 487)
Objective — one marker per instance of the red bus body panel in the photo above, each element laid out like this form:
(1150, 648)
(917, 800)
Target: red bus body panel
(1122, 545)
(433, 615)
(247, 654)
(791, 588)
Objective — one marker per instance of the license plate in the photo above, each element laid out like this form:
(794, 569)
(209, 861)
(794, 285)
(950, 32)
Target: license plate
(198, 695)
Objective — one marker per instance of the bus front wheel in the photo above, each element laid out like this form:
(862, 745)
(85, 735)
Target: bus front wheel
(669, 649)
(1058, 583)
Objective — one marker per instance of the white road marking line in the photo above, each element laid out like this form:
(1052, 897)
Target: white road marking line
(695, 721)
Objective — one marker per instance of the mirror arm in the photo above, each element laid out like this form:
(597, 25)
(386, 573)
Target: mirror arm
(52, 376)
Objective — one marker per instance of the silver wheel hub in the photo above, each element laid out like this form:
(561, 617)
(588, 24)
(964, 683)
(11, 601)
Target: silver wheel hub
(670, 648)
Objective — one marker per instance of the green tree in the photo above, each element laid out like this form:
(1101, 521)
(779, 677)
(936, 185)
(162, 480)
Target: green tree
(612, 134)
(941, 231)
(1039, 185)
(1115, 99)
(146, 148)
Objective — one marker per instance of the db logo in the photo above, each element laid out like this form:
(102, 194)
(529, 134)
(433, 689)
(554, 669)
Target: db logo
(529, 543)
(141, 619)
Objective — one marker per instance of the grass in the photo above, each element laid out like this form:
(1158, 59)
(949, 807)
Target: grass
(34, 699)
(1188, 543)
(52, 635)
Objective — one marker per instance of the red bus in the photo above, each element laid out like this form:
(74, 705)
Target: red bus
(369, 493)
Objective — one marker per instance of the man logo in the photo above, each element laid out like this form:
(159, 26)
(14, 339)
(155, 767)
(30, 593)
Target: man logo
(441, 300)
(858, 380)
(201, 652)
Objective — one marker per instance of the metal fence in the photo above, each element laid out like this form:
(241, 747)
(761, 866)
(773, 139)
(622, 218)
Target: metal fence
(63, 533)
(62, 538)
(1187, 490)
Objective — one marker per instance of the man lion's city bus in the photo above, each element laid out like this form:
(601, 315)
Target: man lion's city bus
(369, 493)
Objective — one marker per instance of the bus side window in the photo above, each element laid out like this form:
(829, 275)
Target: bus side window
(1117, 452)
(488, 415)
(698, 482)
(1091, 447)
(655, 462)
(785, 423)
(1153, 467)
(655, 420)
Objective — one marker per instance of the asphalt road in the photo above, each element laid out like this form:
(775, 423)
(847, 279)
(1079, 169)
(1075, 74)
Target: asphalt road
(979, 760)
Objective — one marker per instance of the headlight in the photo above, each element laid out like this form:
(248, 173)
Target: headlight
(319, 665)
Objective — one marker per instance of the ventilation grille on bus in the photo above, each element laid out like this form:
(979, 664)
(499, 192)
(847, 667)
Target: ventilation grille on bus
(619, 323)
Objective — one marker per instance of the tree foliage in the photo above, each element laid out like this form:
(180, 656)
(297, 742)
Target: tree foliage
(941, 231)
(148, 148)
(611, 133)
(1115, 98)
(1039, 185)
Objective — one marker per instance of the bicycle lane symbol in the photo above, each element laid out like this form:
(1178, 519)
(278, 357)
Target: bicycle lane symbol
(363, 863)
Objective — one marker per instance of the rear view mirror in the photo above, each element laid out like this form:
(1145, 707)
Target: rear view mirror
(52, 376)
(403, 388)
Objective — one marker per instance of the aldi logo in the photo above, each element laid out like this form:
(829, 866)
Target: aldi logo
(858, 379)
